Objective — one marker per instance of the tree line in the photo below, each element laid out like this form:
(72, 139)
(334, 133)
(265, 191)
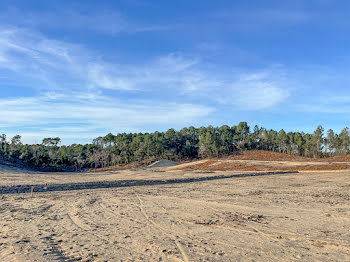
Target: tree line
(186, 144)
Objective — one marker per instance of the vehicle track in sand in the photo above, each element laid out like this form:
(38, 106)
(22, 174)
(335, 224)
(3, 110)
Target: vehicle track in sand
(304, 217)
(178, 244)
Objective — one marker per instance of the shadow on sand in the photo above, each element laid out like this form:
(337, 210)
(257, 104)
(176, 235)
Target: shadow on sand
(123, 183)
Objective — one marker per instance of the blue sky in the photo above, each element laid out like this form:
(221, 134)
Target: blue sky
(80, 69)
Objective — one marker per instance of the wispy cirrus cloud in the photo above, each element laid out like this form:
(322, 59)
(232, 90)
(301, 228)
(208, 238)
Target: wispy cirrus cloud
(261, 90)
(72, 83)
(253, 90)
(60, 65)
(103, 112)
(329, 103)
(103, 21)
(33, 57)
(82, 116)
(253, 19)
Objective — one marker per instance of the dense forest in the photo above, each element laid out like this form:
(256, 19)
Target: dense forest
(188, 143)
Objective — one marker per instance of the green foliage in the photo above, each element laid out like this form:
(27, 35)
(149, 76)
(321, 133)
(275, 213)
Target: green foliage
(188, 143)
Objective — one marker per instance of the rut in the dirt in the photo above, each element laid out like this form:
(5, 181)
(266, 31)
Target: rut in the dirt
(122, 183)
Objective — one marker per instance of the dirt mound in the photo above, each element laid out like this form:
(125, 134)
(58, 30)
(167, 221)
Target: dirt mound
(262, 155)
(163, 163)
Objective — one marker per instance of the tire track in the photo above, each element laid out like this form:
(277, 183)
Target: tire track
(77, 221)
(178, 244)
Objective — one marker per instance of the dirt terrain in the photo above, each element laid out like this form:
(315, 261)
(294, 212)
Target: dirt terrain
(260, 160)
(254, 160)
(259, 165)
(194, 215)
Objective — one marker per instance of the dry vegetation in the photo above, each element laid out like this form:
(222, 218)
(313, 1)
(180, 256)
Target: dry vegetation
(259, 160)
(254, 160)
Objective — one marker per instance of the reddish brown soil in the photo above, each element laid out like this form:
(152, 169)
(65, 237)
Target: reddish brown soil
(272, 161)
(248, 166)
(337, 159)
(229, 163)
(262, 155)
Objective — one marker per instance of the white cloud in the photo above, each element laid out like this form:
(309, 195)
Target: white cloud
(102, 21)
(260, 91)
(72, 83)
(109, 77)
(326, 104)
(60, 65)
(256, 90)
(262, 18)
(32, 57)
(76, 117)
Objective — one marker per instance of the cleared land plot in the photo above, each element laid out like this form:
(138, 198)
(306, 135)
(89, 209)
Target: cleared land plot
(286, 217)
(255, 160)
(257, 165)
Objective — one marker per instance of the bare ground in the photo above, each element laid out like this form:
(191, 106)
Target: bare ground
(284, 217)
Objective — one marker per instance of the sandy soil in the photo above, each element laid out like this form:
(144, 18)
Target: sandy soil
(289, 217)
